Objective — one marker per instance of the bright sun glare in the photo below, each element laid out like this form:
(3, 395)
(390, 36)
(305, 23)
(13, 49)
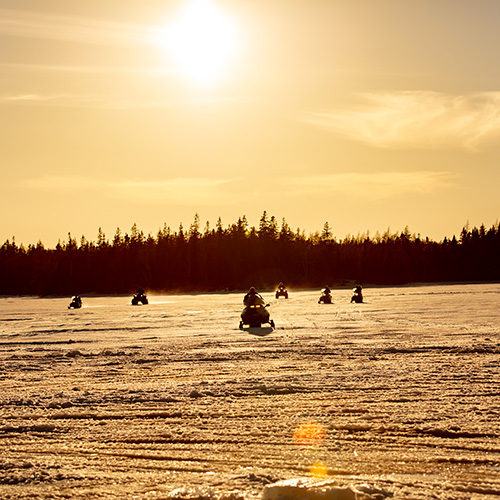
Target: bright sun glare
(202, 39)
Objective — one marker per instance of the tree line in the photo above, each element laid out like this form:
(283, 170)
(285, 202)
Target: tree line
(239, 255)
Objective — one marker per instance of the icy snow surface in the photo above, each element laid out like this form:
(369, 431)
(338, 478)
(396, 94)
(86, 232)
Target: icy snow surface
(398, 397)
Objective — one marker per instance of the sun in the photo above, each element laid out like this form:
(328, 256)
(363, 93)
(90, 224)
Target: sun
(202, 39)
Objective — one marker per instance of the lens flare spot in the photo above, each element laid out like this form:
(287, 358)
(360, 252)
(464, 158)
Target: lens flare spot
(319, 469)
(309, 434)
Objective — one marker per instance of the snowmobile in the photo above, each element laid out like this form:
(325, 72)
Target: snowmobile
(140, 297)
(281, 291)
(357, 295)
(326, 296)
(76, 302)
(254, 315)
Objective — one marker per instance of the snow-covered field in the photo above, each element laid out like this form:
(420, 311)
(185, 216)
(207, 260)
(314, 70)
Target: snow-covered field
(397, 397)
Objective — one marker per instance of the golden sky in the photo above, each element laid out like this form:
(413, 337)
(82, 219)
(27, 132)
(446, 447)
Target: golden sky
(366, 114)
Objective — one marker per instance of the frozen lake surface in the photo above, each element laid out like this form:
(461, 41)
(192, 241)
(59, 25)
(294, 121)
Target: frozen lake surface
(398, 397)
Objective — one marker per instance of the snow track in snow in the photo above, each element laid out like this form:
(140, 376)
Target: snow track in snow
(398, 397)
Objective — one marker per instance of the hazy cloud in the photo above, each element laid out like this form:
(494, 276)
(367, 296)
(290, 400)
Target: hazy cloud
(20, 23)
(178, 191)
(370, 186)
(62, 183)
(418, 119)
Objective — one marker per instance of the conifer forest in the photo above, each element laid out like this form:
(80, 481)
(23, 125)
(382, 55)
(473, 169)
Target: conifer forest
(236, 256)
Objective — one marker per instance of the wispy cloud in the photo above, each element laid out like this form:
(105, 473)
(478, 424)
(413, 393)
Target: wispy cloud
(62, 100)
(114, 101)
(30, 24)
(108, 69)
(416, 119)
(179, 191)
(373, 186)
(111, 101)
(83, 101)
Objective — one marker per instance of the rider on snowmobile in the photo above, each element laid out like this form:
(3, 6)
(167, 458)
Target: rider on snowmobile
(253, 298)
(255, 312)
(357, 294)
(326, 295)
